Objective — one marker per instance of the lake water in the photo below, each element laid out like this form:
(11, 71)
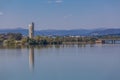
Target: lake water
(64, 62)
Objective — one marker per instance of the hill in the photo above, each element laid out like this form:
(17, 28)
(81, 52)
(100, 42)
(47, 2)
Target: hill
(77, 32)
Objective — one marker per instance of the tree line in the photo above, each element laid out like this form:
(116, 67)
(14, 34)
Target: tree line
(18, 38)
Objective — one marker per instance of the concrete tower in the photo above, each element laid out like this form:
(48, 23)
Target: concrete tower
(31, 30)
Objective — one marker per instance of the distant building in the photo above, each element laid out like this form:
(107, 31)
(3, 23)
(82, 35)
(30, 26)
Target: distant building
(31, 30)
(99, 41)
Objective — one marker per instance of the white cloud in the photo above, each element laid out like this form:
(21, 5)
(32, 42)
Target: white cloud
(58, 1)
(50, 1)
(55, 1)
(1, 13)
(68, 16)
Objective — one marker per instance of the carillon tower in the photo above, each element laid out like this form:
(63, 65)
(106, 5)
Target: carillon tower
(31, 30)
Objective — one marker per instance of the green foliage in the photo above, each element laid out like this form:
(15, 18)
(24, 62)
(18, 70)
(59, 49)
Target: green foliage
(9, 42)
(15, 36)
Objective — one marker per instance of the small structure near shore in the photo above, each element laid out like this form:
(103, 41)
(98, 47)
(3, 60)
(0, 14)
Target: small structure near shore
(108, 41)
(99, 41)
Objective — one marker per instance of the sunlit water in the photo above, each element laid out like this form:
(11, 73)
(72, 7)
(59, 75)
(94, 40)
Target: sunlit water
(65, 62)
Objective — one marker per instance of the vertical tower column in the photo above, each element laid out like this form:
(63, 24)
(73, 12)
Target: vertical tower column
(31, 30)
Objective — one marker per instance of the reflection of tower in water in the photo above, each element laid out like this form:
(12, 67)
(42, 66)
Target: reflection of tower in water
(31, 58)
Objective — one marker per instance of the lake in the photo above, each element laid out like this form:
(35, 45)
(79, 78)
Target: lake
(61, 62)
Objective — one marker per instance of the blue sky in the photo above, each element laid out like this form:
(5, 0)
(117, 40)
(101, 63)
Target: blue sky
(60, 14)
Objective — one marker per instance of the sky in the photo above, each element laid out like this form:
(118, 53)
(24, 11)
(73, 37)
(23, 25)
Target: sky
(60, 14)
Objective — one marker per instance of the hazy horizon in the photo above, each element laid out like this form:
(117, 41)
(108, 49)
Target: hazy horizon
(102, 28)
(60, 14)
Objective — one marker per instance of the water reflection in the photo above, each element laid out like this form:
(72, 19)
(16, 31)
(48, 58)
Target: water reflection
(31, 58)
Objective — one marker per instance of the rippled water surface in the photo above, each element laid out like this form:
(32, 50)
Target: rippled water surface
(64, 62)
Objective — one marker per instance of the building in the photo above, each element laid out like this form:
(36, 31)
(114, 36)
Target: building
(99, 41)
(31, 30)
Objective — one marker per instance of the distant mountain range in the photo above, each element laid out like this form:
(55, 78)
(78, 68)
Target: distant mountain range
(76, 32)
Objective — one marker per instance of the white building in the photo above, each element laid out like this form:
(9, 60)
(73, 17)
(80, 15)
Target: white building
(31, 30)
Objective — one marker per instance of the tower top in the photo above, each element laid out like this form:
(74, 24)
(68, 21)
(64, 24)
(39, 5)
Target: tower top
(32, 24)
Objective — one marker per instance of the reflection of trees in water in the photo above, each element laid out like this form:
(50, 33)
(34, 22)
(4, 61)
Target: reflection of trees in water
(57, 46)
(81, 45)
(92, 45)
(41, 46)
(46, 46)
(10, 46)
(73, 45)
